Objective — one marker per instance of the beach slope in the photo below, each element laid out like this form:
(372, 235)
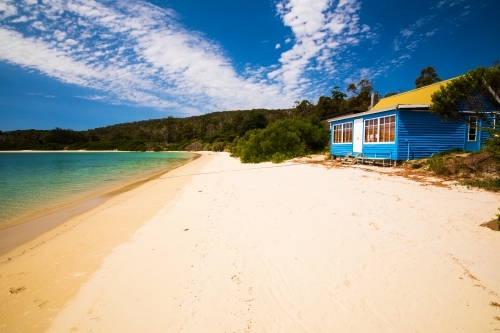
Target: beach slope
(289, 248)
(40, 276)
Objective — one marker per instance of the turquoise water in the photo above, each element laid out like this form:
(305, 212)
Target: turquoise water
(32, 182)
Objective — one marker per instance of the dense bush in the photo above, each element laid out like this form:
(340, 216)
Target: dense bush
(493, 144)
(282, 140)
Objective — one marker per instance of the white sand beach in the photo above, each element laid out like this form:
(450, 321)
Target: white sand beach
(220, 246)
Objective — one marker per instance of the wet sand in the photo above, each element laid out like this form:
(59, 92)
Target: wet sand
(17, 233)
(40, 276)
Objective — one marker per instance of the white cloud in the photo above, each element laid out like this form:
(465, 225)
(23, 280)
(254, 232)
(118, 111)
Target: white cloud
(132, 52)
(406, 32)
(92, 97)
(39, 26)
(137, 54)
(7, 8)
(431, 33)
(410, 38)
(59, 35)
(20, 19)
(317, 27)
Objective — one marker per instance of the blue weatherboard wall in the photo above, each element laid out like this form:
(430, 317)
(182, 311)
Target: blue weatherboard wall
(419, 134)
(427, 134)
(339, 149)
(369, 149)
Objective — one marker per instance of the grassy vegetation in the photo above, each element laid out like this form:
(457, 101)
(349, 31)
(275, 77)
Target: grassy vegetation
(478, 169)
(489, 184)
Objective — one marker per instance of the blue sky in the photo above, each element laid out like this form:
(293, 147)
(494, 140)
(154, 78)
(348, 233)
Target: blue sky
(83, 64)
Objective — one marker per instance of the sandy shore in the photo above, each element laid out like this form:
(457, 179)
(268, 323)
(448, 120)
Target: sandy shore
(264, 248)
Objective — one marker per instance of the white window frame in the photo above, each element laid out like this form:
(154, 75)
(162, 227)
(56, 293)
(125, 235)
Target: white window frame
(378, 130)
(342, 131)
(475, 129)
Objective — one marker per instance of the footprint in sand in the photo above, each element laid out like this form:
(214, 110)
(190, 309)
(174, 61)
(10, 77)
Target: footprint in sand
(17, 290)
(40, 302)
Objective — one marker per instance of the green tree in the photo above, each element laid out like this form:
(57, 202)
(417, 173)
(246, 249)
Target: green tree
(339, 103)
(427, 76)
(303, 109)
(282, 140)
(251, 120)
(477, 91)
(360, 92)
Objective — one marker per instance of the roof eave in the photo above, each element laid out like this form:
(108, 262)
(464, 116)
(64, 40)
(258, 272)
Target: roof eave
(417, 107)
(413, 106)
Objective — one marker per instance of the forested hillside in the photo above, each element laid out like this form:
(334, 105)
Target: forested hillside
(214, 131)
(210, 131)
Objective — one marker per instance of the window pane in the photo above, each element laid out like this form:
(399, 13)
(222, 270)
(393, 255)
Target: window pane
(472, 128)
(387, 129)
(336, 133)
(348, 132)
(371, 130)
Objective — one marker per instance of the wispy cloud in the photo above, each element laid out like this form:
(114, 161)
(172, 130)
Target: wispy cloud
(93, 97)
(408, 39)
(136, 53)
(321, 29)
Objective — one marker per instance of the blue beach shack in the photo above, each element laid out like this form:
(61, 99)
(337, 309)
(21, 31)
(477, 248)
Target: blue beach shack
(401, 127)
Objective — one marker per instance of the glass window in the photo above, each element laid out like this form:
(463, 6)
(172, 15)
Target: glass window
(381, 129)
(347, 137)
(371, 130)
(387, 129)
(472, 128)
(342, 133)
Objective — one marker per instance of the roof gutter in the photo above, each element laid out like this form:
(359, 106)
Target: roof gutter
(412, 106)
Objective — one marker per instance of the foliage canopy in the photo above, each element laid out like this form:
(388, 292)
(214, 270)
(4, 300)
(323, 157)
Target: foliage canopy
(477, 91)
(282, 140)
(427, 76)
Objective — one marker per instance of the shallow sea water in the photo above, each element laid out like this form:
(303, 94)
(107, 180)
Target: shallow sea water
(32, 182)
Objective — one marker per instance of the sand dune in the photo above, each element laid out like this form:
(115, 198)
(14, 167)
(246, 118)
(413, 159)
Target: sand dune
(287, 248)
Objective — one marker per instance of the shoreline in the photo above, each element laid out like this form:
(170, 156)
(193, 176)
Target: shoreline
(40, 276)
(92, 151)
(217, 245)
(16, 233)
(300, 248)
(102, 191)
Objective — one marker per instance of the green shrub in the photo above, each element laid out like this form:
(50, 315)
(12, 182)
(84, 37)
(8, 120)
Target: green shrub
(493, 144)
(436, 164)
(490, 185)
(282, 140)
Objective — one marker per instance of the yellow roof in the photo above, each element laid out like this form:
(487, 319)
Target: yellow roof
(417, 96)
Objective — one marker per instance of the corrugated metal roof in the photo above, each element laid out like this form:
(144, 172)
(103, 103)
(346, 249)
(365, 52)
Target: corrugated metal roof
(417, 96)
